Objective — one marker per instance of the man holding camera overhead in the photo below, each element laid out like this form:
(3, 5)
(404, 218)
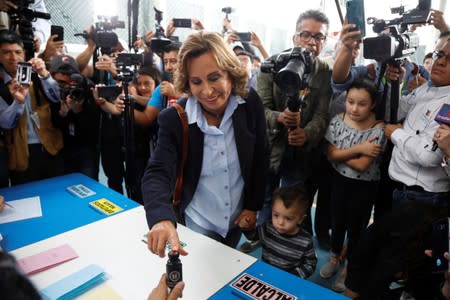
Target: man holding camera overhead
(25, 112)
(294, 135)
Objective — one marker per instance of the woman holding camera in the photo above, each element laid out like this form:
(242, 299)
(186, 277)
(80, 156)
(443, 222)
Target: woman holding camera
(227, 158)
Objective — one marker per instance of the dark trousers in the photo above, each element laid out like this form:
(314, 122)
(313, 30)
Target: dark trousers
(351, 205)
(41, 165)
(403, 194)
(112, 158)
(320, 182)
(83, 159)
(383, 202)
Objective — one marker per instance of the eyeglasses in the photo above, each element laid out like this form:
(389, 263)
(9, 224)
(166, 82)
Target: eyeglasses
(307, 36)
(440, 54)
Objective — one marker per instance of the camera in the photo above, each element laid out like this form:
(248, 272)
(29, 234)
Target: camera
(227, 10)
(291, 69)
(109, 92)
(127, 63)
(393, 41)
(102, 33)
(77, 89)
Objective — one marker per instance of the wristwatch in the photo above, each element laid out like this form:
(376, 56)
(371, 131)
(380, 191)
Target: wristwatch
(445, 162)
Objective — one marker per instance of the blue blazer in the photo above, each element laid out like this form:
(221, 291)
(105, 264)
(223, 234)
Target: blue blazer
(160, 175)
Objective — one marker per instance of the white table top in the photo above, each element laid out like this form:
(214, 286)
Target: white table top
(133, 271)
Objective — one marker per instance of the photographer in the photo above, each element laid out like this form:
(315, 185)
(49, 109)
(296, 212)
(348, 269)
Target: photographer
(78, 118)
(294, 135)
(142, 87)
(32, 141)
(104, 70)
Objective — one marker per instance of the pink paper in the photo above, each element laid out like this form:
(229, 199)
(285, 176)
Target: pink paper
(47, 259)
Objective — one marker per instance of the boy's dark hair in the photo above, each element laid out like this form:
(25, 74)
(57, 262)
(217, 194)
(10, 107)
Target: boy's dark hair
(292, 195)
(367, 85)
(10, 37)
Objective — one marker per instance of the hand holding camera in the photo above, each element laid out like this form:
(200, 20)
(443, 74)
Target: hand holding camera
(289, 119)
(106, 63)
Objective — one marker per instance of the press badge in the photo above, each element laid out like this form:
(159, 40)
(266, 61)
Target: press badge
(35, 119)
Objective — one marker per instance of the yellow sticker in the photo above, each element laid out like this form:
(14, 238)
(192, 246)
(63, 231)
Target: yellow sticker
(105, 206)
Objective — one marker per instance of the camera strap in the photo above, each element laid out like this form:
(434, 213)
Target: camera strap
(183, 155)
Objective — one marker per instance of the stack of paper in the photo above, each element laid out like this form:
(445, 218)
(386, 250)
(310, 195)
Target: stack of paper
(75, 284)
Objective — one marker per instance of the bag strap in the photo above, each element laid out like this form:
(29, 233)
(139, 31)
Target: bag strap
(184, 150)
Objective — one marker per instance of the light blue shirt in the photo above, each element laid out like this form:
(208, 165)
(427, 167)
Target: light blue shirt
(10, 114)
(217, 201)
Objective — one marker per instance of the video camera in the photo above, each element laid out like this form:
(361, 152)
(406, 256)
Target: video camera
(291, 69)
(102, 33)
(127, 63)
(21, 18)
(23, 12)
(393, 41)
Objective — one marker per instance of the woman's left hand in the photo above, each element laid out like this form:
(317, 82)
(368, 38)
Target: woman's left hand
(246, 220)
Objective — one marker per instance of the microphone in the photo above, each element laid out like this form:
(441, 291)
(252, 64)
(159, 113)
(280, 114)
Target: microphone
(442, 117)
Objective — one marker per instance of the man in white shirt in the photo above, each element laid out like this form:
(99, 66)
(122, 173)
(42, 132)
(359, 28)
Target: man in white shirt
(414, 163)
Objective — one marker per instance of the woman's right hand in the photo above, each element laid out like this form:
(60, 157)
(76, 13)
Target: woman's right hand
(161, 233)
(2, 203)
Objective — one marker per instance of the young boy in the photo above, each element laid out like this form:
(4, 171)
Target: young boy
(285, 243)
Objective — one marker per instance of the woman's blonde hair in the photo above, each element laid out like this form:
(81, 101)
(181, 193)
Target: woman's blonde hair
(203, 42)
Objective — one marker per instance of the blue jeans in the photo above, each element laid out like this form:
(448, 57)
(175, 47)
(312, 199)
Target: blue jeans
(232, 238)
(401, 196)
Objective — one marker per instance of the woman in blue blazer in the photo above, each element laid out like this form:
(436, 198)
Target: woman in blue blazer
(225, 171)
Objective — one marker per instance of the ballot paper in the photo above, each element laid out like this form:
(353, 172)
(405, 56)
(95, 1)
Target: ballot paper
(75, 284)
(21, 209)
(47, 259)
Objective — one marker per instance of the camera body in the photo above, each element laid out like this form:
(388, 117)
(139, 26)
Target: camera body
(393, 41)
(388, 46)
(126, 62)
(290, 68)
(102, 33)
(78, 88)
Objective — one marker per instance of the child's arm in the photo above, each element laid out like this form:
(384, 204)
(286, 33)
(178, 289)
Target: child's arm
(358, 157)
(309, 262)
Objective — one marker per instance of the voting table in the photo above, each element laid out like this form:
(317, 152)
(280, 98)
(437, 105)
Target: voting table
(116, 243)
